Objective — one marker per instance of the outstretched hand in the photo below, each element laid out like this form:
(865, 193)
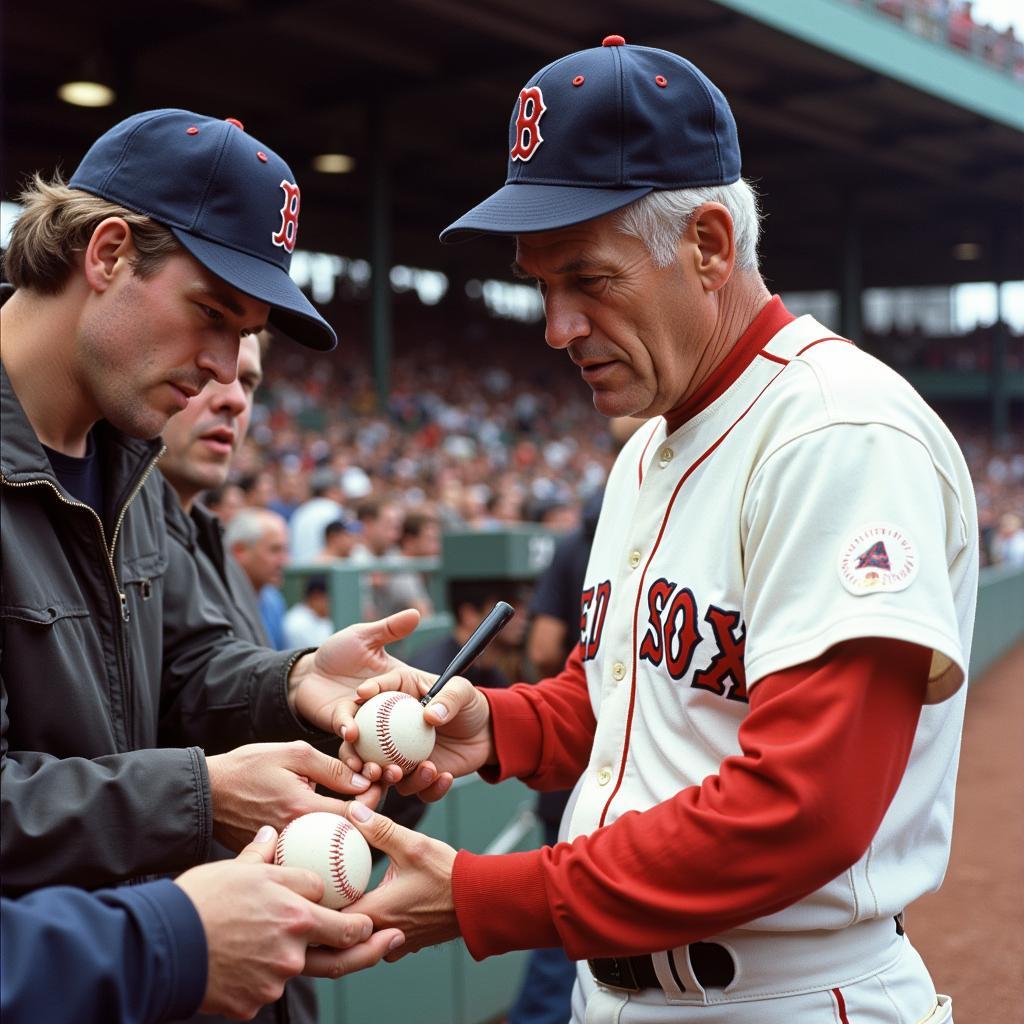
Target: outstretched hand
(415, 895)
(272, 783)
(322, 685)
(461, 717)
(263, 926)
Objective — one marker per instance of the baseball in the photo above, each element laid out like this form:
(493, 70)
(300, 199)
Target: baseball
(392, 731)
(330, 846)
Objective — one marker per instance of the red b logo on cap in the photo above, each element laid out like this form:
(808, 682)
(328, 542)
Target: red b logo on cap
(528, 136)
(286, 235)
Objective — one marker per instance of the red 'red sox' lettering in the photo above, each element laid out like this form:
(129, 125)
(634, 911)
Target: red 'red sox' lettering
(672, 636)
(593, 609)
(727, 664)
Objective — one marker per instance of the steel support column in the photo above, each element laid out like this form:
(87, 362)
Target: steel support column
(851, 275)
(380, 252)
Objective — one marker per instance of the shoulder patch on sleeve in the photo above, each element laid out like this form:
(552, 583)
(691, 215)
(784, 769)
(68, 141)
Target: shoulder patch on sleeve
(877, 557)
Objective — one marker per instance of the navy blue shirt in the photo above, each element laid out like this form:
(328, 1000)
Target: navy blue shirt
(81, 477)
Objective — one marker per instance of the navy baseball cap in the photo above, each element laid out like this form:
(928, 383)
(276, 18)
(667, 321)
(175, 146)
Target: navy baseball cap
(594, 131)
(229, 200)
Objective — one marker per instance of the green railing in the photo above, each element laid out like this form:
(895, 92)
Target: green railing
(999, 622)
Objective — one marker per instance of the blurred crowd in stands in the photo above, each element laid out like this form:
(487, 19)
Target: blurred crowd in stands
(915, 350)
(953, 22)
(483, 437)
(998, 475)
(477, 442)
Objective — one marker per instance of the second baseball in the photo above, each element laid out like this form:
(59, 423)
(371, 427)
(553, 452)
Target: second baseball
(392, 731)
(331, 847)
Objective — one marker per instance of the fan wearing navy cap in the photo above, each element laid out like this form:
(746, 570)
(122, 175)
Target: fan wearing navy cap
(136, 727)
(762, 715)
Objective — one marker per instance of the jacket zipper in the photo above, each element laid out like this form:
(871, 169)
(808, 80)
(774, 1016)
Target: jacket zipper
(122, 597)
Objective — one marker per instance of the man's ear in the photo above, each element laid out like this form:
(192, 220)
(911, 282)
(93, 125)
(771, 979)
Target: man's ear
(710, 234)
(108, 253)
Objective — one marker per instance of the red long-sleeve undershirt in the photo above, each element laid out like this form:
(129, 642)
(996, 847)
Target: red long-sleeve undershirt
(824, 747)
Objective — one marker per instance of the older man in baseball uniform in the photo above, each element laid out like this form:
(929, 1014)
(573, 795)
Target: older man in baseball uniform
(763, 713)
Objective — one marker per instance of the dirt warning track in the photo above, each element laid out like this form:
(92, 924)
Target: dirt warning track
(971, 932)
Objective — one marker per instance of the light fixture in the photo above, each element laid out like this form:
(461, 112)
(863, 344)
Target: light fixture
(967, 251)
(333, 163)
(85, 93)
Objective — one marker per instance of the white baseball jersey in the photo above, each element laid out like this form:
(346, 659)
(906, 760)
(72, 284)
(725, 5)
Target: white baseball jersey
(817, 500)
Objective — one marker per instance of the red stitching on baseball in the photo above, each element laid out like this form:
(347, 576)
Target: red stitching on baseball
(279, 849)
(336, 858)
(387, 744)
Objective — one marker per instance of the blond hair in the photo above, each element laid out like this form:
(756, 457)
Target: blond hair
(56, 224)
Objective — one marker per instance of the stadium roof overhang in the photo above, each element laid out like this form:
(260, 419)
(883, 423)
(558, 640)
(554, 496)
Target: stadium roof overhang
(920, 148)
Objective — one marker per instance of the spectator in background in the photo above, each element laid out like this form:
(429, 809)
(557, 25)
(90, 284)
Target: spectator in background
(291, 490)
(259, 489)
(1008, 541)
(311, 517)
(225, 502)
(258, 539)
(309, 623)
(381, 520)
(962, 25)
(382, 526)
(470, 602)
(421, 538)
(339, 539)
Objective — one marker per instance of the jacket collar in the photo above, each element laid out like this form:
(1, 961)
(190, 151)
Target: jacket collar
(22, 459)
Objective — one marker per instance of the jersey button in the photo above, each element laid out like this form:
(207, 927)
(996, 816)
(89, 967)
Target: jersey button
(604, 776)
(618, 671)
(665, 456)
(634, 559)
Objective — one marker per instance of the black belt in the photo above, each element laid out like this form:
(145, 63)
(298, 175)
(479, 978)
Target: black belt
(711, 963)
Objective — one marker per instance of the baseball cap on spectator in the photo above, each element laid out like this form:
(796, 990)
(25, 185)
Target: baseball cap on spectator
(356, 482)
(597, 130)
(229, 200)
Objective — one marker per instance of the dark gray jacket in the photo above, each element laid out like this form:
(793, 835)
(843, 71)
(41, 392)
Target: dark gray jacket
(225, 582)
(202, 535)
(109, 649)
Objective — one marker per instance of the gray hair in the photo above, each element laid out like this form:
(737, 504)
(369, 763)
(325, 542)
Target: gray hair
(247, 527)
(660, 218)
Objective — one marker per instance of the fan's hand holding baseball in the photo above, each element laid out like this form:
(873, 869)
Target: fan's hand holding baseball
(322, 684)
(259, 921)
(461, 718)
(415, 895)
(272, 783)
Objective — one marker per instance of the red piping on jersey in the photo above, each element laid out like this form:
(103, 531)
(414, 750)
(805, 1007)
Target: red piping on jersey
(643, 454)
(840, 1002)
(640, 588)
(831, 337)
(768, 322)
(774, 316)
